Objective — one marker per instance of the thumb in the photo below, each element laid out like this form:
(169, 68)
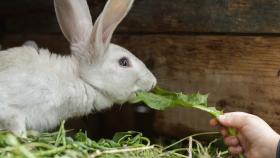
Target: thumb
(234, 119)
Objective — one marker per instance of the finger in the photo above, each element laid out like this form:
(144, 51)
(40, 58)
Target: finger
(214, 122)
(234, 119)
(242, 141)
(231, 141)
(224, 132)
(235, 150)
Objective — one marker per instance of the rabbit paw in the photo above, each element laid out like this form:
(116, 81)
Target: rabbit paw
(13, 122)
(19, 131)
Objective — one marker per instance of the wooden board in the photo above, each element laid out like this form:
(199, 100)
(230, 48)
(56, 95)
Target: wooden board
(155, 16)
(55, 43)
(239, 73)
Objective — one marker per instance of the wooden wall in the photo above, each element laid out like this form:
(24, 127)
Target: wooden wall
(227, 48)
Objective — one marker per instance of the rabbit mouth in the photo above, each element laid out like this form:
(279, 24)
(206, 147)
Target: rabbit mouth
(132, 98)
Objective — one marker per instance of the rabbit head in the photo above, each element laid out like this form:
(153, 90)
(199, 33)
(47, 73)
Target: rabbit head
(108, 68)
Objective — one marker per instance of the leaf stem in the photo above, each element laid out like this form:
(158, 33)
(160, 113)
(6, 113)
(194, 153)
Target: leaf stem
(114, 151)
(186, 138)
(52, 151)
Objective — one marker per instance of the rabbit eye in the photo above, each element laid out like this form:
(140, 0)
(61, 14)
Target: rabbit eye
(124, 62)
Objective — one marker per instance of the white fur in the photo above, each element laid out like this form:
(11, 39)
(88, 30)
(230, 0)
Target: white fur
(39, 89)
(31, 43)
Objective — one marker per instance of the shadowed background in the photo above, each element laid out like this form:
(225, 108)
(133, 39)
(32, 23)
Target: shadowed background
(227, 48)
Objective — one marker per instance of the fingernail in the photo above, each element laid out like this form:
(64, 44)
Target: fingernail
(222, 117)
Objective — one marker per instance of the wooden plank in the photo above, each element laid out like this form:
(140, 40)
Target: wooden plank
(239, 73)
(28, 6)
(55, 43)
(26, 16)
(157, 16)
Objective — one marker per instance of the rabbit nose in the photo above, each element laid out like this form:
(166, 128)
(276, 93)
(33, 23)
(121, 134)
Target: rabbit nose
(147, 82)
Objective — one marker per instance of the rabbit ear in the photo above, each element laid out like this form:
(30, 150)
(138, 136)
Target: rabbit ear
(74, 19)
(104, 27)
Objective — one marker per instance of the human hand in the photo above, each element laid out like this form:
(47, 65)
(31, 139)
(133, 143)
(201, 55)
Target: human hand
(255, 138)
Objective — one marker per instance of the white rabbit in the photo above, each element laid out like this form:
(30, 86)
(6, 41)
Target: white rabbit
(39, 89)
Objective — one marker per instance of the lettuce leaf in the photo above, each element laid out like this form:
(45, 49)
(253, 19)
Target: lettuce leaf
(160, 99)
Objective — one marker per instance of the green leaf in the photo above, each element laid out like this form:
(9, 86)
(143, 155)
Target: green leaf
(211, 110)
(80, 136)
(161, 99)
(155, 101)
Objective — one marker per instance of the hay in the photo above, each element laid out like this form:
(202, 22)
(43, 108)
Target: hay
(123, 145)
